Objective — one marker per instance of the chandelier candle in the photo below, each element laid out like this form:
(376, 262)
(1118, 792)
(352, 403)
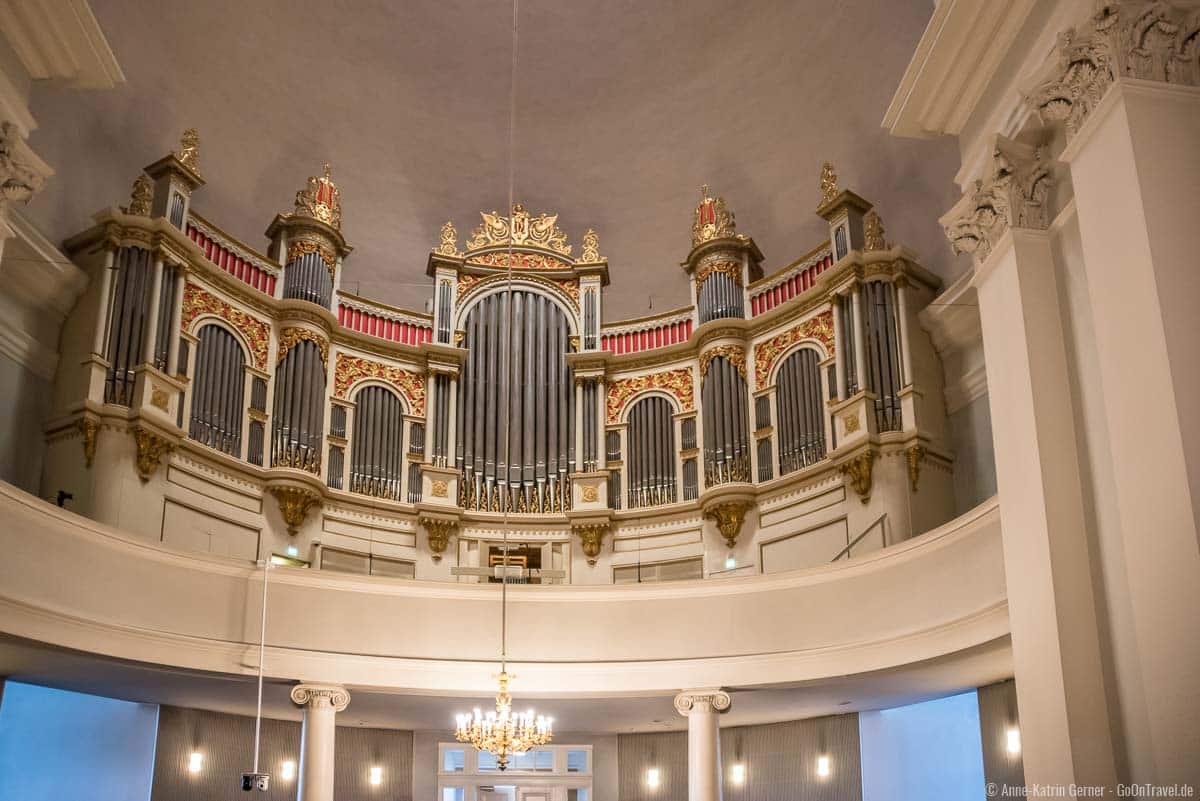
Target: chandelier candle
(502, 732)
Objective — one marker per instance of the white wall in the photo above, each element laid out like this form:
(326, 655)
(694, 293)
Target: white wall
(930, 751)
(57, 745)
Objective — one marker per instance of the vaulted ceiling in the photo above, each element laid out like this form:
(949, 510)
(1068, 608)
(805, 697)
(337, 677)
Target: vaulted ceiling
(624, 109)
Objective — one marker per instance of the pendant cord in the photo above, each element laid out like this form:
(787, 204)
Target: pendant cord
(262, 648)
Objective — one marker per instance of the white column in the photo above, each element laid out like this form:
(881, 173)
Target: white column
(321, 704)
(701, 708)
(1135, 169)
(150, 326)
(104, 305)
(860, 339)
(176, 321)
(839, 339)
(902, 314)
(1052, 612)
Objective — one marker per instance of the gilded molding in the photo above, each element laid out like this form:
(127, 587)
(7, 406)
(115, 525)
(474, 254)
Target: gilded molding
(291, 337)
(349, 370)
(591, 535)
(913, 455)
(729, 516)
(305, 245)
(294, 505)
(679, 383)
(150, 449)
(589, 494)
(591, 247)
(734, 354)
(257, 333)
(438, 488)
(818, 327)
(717, 263)
(449, 244)
(437, 534)
(859, 470)
(518, 229)
(90, 430)
(469, 285)
(321, 695)
(712, 220)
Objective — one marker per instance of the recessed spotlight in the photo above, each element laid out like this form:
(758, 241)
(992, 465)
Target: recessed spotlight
(195, 762)
(823, 767)
(293, 551)
(730, 562)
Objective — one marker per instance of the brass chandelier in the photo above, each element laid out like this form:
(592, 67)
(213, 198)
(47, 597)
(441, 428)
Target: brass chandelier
(503, 732)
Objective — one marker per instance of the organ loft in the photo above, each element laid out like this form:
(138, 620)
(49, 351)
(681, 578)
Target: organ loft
(223, 398)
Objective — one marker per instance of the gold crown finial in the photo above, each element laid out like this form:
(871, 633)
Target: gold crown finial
(321, 199)
(713, 220)
(828, 183)
(189, 150)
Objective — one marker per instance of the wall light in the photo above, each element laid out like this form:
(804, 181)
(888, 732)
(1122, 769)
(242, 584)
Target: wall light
(376, 775)
(730, 562)
(823, 768)
(1012, 741)
(652, 778)
(287, 771)
(195, 762)
(293, 551)
(737, 773)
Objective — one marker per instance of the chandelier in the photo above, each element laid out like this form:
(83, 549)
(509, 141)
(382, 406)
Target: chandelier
(504, 732)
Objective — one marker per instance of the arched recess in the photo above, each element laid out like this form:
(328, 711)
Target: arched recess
(726, 422)
(652, 452)
(218, 390)
(377, 441)
(297, 422)
(800, 410)
(515, 443)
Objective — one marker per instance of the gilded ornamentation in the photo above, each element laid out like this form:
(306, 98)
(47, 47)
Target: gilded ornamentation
(718, 265)
(460, 336)
(734, 354)
(294, 504)
(873, 233)
(679, 383)
(465, 282)
(291, 337)
(829, 187)
(321, 200)
(519, 229)
(592, 537)
(818, 327)
(302, 247)
(449, 245)
(150, 450)
(90, 429)
(850, 421)
(159, 399)
(439, 488)
(141, 198)
(298, 458)
(351, 369)
(189, 150)
(859, 470)
(589, 494)
(437, 533)
(729, 516)
(712, 219)
(591, 247)
(258, 333)
(914, 454)
(519, 261)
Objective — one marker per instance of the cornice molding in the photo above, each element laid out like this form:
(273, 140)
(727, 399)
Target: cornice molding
(60, 41)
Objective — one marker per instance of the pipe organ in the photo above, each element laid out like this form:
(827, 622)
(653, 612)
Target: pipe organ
(513, 395)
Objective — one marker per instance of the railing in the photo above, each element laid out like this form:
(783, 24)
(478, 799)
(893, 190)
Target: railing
(660, 331)
(376, 320)
(846, 551)
(769, 292)
(240, 262)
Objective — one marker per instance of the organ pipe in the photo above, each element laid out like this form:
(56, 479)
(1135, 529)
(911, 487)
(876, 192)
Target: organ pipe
(298, 410)
(217, 405)
(801, 416)
(309, 277)
(726, 432)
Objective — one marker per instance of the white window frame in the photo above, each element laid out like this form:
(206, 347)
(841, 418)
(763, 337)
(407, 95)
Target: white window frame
(558, 781)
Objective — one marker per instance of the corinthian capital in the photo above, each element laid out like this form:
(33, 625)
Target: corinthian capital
(1014, 193)
(709, 700)
(321, 696)
(22, 172)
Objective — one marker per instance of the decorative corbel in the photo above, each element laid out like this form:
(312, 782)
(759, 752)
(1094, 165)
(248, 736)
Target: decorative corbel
(294, 503)
(859, 469)
(592, 536)
(90, 429)
(22, 172)
(914, 454)
(729, 516)
(150, 449)
(438, 531)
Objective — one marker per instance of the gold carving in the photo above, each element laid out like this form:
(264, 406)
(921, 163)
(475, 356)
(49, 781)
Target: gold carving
(520, 261)
(307, 245)
(729, 516)
(90, 429)
(449, 245)
(150, 450)
(734, 354)
(914, 454)
(859, 470)
(873, 233)
(591, 247)
(291, 337)
(141, 197)
(294, 503)
(819, 327)
(717, 265)
(679, 383)
(459, 337)
(439, 488)
(712, 220)
(321, 200)
(592, 537)
(850, 421)
(351, 369)
(197, 302)
(298, 458)
(437, 532)
(159, 399)
(589, 494)
(189, 150)
(829, 187)
(519, 229)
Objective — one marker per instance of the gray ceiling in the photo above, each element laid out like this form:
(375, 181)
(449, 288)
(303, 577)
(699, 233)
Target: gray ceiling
(624, 109)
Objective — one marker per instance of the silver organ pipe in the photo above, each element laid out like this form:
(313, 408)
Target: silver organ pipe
(801, 421)
(528, 358)
(719, 296)
(883, 352)
(308, 277)
(652, 477)
(297, 419)
(377, 444)
(131, 290)
(847, 345)
(216, 417)
(726, 433)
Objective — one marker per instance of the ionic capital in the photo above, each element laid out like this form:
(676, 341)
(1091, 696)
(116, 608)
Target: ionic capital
(321, 696)
(708, 700)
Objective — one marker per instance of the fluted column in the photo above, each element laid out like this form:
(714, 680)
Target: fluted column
(701, 708)
(321, 704)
